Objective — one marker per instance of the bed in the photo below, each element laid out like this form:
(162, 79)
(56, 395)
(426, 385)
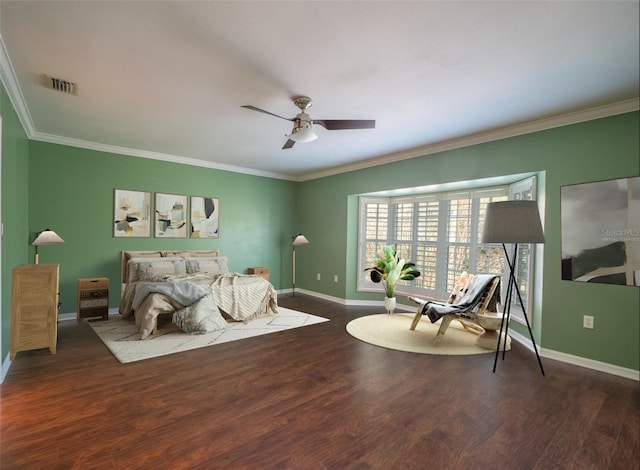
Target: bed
(193, 287)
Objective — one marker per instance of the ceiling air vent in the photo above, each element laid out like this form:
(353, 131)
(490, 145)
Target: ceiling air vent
(59, 84)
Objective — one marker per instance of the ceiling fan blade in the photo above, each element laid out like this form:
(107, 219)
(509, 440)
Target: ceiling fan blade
(288, 144)
(253, 108)
(338, 124)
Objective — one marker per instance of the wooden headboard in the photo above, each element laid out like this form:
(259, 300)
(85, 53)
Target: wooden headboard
(127, 255)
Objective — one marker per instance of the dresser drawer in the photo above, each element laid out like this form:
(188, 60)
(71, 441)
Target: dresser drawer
(94, 283)
(93, 303)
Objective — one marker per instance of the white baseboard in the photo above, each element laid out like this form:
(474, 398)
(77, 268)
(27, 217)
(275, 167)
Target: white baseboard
(66, 316)
(312, 294)
(548, 353)
(576, 360)
(5, 368)
(352, 303)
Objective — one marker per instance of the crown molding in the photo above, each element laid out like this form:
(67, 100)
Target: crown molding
(453, 144)
(8, 77)
(561, 120)
(85, 144)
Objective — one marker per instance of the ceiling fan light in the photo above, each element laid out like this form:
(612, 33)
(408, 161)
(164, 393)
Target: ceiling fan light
(303, 135)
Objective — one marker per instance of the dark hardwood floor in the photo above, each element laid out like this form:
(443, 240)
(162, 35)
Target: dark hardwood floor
(310, 398)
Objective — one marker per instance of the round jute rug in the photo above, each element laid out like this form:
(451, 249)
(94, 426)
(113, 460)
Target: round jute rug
(392, 331)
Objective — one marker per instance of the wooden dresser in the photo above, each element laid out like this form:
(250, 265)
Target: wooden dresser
(34, 307)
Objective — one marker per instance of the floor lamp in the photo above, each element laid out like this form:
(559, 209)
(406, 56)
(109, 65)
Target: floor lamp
(46, 237)
(512, 222)
(297, 240)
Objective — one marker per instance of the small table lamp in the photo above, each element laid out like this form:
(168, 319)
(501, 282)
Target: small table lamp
(512, 222)
(46, 237)
(297, 240)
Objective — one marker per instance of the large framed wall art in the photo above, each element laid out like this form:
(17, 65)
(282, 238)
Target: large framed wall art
(171, 216)
(205, 216)
(131, 213)
(601, 231)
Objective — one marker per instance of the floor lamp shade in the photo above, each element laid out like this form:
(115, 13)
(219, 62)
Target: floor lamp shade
(297, 240)
(512, 222)
(46, 237)
(300, 240)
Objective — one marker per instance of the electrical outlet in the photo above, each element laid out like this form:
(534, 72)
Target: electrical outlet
(587, 322)
(335, 278)
(318, 276)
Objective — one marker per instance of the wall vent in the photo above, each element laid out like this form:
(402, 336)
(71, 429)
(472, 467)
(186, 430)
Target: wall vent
(59, 84)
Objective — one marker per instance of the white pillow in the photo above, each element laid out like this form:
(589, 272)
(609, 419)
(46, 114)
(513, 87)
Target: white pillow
(216, 265)
(152, 269)
(134, 263)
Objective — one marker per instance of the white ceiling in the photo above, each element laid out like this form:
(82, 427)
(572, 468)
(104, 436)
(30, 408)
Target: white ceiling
(167, 79)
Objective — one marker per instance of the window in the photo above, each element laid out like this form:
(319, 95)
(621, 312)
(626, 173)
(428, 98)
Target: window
(441, 233)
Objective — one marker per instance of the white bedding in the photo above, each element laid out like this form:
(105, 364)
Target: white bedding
(241, 297)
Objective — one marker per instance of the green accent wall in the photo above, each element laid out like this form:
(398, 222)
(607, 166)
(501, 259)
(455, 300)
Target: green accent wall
(590, 151)
(15, 200)
(70, 190)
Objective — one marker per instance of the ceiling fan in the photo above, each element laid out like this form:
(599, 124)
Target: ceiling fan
(303, 124)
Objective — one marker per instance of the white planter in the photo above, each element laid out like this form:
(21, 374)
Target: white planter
(390, 304)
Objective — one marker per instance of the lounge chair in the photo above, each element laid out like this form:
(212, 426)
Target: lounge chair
(473, 295)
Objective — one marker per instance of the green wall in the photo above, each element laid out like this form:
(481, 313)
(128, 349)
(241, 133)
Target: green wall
(595, 150)
(71, 192)
(14, 206)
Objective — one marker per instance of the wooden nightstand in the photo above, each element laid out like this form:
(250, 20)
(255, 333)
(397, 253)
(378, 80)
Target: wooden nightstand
(93, 298)
(262, 272)
(34, 307)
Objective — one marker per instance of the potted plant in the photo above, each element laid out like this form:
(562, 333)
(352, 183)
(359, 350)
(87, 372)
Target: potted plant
(389, 269)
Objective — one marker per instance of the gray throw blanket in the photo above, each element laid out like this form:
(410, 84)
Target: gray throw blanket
(200, 317)
(184, 292)
(466, 306)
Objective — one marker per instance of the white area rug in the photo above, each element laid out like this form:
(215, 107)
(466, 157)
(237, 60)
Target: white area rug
(123, 338)
(392, 331)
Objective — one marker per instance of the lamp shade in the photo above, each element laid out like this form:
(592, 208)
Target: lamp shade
(47, 237)
(512, 222)
(304, 134)
(300, 240)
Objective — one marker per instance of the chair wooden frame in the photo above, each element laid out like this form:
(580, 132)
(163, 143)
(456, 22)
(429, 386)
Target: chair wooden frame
(467, 319)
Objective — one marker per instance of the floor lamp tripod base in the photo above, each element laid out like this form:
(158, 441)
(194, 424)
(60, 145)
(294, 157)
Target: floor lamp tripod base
(504, 325)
